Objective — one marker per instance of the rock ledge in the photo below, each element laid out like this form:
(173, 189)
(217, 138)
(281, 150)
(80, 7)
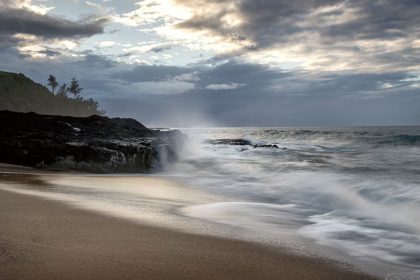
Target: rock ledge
(93, 144)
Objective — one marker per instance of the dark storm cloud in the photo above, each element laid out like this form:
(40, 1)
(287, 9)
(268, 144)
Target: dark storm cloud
(13, 21)
(256, 76)
(328, 99)
(332, 100)
(151, 73)
(45, 27)
(231, 71)
(358, 35)
(94, 61)
(7, 42)
(265, 22)
(270, 97)
(260, 78)
(50, 53)
(388, 19)
(248, 93)
(356, 83)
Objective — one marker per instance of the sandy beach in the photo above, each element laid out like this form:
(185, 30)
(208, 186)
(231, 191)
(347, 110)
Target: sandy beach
(43, 238)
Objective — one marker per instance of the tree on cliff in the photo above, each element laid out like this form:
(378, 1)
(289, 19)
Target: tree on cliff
(52, 82)
(75, 87)
(20, 94)
(62, 91)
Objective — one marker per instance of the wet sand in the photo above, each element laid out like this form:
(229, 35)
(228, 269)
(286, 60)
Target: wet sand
(47, 239)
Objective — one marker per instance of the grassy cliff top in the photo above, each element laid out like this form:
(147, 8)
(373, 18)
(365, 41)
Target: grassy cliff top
(21, 94)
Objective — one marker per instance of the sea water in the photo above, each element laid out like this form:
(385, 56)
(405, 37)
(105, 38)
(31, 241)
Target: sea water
(354, 188)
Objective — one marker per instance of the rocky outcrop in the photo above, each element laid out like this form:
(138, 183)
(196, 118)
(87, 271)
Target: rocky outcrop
(240, 142)
(93, 144)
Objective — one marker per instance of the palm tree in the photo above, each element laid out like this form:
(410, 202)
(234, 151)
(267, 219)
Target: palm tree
(62, 91)
(52, 82)
(74, 87)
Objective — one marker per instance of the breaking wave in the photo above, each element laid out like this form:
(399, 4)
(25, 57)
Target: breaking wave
(355, 188)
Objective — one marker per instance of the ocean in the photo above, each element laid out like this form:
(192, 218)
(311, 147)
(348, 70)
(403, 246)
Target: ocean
(356, 189)
(352, 192)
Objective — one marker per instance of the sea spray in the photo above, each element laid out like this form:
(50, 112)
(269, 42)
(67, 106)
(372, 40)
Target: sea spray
(359, 187)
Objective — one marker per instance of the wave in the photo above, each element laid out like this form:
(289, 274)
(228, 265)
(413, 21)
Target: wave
(401, 140)
(361, 185)
(337, 137)
(385, 244)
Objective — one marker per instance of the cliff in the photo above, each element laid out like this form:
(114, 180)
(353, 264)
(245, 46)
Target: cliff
(93, 144)
(18, 93)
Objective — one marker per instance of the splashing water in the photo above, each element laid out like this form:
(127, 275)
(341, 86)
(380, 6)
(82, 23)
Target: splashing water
(353, 188)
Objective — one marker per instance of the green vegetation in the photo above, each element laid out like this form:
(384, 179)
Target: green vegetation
(52, 82)
(20, 94)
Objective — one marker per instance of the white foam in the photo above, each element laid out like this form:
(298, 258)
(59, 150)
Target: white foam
(261, 217)
(382, 244)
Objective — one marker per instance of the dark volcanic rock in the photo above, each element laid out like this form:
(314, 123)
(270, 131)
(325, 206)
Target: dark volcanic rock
(266, 146)
(234, 142)
(240, 142)
(94, 144)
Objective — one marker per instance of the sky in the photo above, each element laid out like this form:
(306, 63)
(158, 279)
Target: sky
(200, 63)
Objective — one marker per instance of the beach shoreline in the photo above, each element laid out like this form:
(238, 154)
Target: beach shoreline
(48, 239)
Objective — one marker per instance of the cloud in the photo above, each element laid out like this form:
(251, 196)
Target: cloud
(329, 35)
(100, 8)
(159, 49)
(50, 53)
(24, 4)
(176, 96)
(153, 47)
(7, 42)
(169, 87)
(224, 86)
(22, 21)
(107, 44)
(151, 73)
(151, 11)
(93, 61)
(160, 79)
(29, 26)
(192, 76)
(296, 63)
